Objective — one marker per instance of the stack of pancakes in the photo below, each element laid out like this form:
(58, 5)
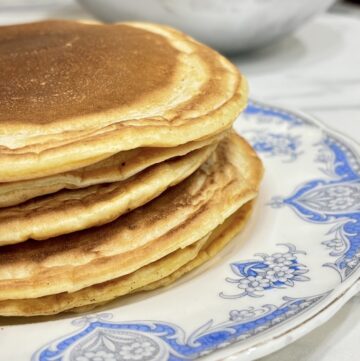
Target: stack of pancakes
(119, 170)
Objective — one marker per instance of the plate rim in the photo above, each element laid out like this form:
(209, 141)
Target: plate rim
(278, 339)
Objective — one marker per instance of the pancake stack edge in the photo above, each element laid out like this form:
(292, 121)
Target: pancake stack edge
(120, 171)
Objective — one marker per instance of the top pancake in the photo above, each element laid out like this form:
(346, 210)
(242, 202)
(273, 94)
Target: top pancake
(74, 93)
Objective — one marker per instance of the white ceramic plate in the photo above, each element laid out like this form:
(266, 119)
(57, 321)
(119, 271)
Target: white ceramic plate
(295, 265)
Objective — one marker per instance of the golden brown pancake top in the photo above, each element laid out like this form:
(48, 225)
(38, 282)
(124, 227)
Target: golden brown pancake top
(57, 69)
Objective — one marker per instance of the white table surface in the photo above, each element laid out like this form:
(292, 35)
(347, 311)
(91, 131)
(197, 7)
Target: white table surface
(316, 70)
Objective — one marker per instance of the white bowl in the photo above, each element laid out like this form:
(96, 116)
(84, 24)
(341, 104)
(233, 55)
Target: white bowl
(227, 25)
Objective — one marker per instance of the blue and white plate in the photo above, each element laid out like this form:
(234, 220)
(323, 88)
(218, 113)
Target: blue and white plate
(294, 266)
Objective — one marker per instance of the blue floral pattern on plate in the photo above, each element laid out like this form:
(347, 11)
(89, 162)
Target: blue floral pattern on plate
(334, 200)
(102, 340)
(278, 284)
(275, 144)
(277, 270)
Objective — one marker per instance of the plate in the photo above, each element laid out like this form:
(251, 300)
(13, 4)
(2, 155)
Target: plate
(295, 264)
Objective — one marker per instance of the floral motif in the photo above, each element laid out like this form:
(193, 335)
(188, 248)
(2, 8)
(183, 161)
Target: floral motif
(137, 350)
(275, 144)
(333, 198)
(96, 356)
(240, 315)
(280, 259)
(104, 344)
(274, 271)
(282, 274)
(252, 284)
(334, 201)
(265, 115)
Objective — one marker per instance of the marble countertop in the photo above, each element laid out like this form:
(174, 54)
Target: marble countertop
(315, 70)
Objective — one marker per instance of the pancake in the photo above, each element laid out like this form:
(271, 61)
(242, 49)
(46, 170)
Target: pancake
(102, 292)
(176, 219)
(219, 238)
(210, 247)
(116, 168)
(74, 210)
(77, 93)
(157, 274)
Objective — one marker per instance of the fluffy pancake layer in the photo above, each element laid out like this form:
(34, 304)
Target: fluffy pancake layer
(176, 219)
(73, 210)
(157, 274)
(117, 168)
